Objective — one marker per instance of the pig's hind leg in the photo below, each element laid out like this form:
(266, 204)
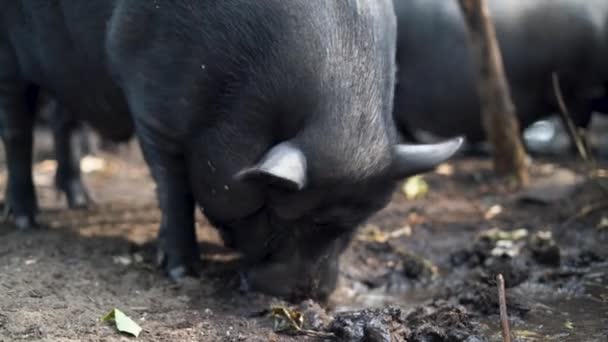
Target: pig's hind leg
(69, 140)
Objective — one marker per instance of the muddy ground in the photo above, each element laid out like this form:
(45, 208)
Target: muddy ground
(424, 268)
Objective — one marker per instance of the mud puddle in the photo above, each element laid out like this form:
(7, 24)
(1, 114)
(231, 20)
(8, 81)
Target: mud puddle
(429, 279)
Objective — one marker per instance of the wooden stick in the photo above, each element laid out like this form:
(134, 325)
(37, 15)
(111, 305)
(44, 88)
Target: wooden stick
(504, 318)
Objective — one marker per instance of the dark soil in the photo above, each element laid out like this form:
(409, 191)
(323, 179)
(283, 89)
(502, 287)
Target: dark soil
(433, 280)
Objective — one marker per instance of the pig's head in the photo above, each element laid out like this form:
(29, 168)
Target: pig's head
(293, 242)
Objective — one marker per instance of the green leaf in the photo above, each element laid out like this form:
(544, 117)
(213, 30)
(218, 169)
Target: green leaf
(123, 322)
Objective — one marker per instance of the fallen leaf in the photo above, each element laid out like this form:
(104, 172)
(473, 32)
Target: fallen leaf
(527, 334)
(415, 218)
(445, 169)
(602, 173)
(494, 211)
(405, 231)
(122, 260)
(292, 322)
(415, 187)
(603, 224)
(496, 234)
(123, 322)
(372, 233)
(505, 247)
(91, 164)
(287, 320)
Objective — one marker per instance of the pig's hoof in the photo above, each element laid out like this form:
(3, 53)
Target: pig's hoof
(244, 286)
(76, 195)
(79, 201)
(177, 272)
(24, 223)
(180, 273)
(21, 222)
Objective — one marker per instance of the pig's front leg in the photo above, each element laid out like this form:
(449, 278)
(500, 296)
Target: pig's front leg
(16, 124)
(177, 246)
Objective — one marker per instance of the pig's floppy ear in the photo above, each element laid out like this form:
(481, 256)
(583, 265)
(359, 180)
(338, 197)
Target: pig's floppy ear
(413, 159)
(283, 166)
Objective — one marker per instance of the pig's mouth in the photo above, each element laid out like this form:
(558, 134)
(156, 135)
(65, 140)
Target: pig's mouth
(285, 272)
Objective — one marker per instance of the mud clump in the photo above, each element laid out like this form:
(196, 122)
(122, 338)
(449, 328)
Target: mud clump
(483, 299)
(514, 270)
(315, 317)
(437, 322)
(474, 256)
(544, 249)
(514, 254)
(442, 322)
(490, 244)
(585, 258)
(379, 325)
(417, 268)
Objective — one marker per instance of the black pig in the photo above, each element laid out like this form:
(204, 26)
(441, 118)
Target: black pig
(274, 116)
(436, 87)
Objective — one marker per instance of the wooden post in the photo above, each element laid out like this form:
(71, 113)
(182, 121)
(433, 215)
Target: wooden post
(497, 109)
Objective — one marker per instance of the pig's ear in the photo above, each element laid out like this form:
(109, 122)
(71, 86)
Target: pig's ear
(283, 166)
(409, 160)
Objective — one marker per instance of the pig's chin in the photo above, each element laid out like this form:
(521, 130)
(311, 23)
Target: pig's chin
(286, 281)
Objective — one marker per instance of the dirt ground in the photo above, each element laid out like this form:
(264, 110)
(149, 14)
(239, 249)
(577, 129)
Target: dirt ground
(421, 270)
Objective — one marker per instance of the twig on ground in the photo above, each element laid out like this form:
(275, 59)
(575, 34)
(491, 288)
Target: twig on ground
(504, 318)
(577, 139)
(577, 135)
(586, 210)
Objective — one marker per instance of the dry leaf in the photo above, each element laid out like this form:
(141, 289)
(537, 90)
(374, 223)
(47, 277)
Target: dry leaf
(91, 164)
(603, 224)
(415, 187)
(287, 320)
(123, 322)
(445, 169)
(494, 211)
(372, 233)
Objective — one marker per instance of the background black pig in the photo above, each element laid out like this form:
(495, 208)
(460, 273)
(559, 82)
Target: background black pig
(71, 141)
(436, 90)
(274, 116)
